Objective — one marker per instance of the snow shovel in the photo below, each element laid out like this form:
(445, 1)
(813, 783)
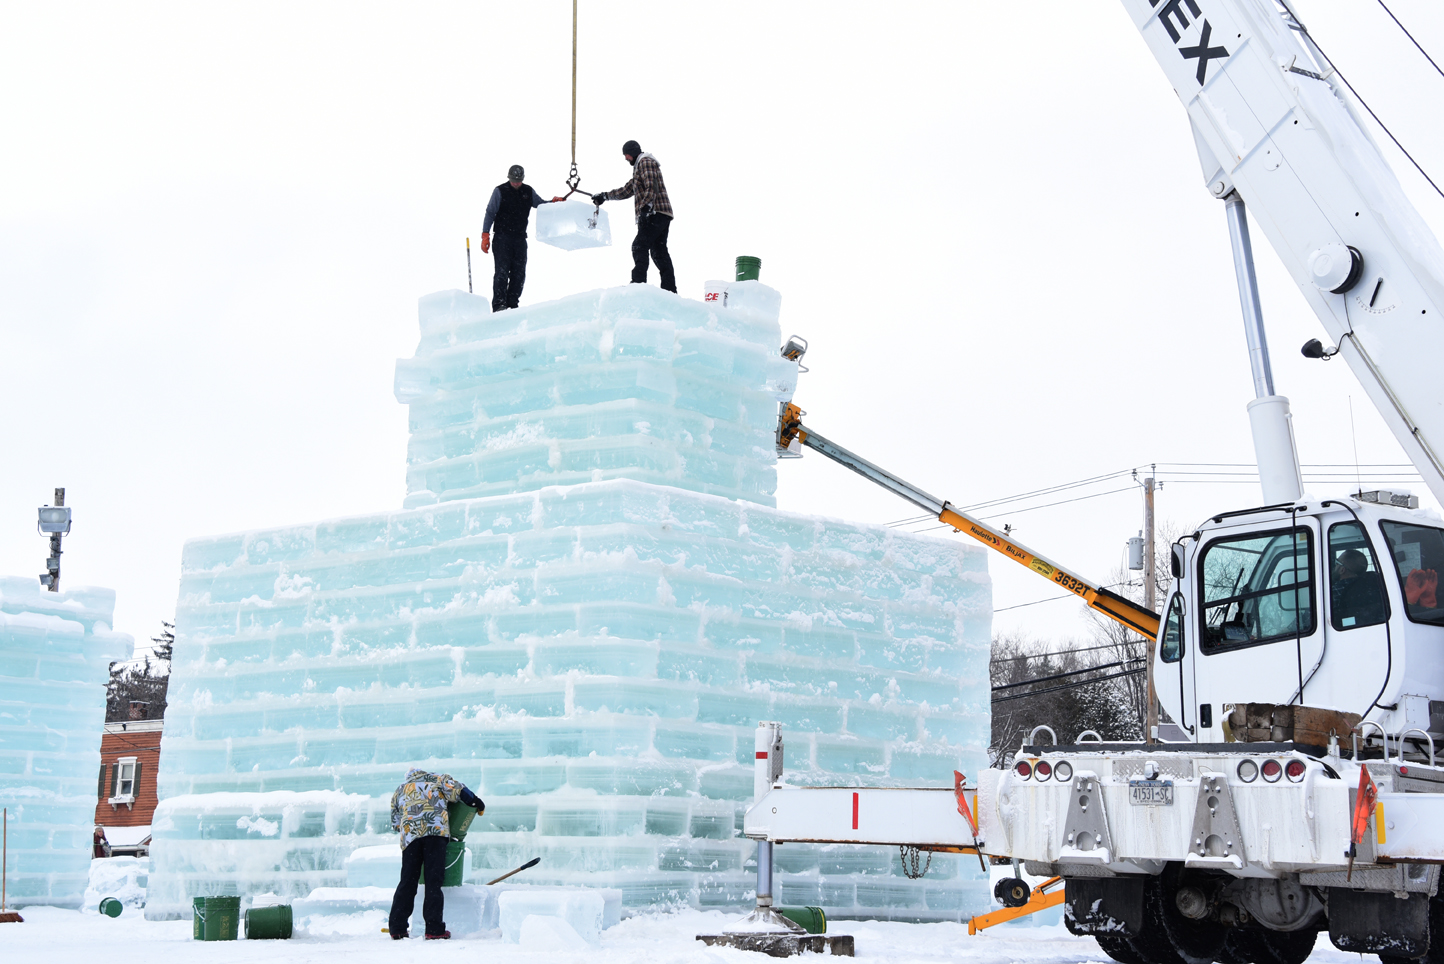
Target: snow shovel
(530, 863)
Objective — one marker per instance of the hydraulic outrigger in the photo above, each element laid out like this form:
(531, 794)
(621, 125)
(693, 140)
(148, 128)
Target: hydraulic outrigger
(792, 435)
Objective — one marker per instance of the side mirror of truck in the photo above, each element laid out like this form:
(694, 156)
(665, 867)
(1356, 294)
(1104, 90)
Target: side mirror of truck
(1175, 561)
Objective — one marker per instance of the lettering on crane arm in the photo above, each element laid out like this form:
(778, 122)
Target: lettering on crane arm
(1174, 18)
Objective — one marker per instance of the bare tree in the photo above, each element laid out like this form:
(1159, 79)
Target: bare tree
(137, 687)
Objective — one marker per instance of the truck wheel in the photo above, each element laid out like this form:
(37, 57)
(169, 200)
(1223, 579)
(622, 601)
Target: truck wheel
(1254, 945)
(1121, 949)
(1195, 941)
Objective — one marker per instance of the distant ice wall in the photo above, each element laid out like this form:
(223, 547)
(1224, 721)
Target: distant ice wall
(55, 656)
(591, 657)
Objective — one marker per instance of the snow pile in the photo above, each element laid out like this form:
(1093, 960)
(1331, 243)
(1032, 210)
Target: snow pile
(55, 656)
(123, 878)
(591, 658)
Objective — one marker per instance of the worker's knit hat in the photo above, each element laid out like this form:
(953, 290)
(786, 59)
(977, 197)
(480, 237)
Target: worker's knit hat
(632, 149)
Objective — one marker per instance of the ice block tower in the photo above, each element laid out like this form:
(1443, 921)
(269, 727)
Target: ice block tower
(583, 611)
(55, 654)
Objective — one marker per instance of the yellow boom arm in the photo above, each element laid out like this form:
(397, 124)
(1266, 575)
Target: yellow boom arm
(792, 434)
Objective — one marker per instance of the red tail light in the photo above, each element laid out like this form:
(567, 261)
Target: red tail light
(1044, 769)
(1024, 769)
(1272, 770)
(1295, 770)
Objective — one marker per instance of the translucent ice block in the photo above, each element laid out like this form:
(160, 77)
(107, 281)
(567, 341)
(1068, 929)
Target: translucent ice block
(572, 225)
(581, 909)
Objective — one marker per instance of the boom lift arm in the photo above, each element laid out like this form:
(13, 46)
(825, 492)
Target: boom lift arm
(791, 434)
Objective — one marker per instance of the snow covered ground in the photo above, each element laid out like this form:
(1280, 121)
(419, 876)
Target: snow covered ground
(59, 935)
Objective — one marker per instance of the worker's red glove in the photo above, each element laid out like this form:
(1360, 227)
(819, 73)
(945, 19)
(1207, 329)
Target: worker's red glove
(556, 199)
(1420, 588)
(485, 243)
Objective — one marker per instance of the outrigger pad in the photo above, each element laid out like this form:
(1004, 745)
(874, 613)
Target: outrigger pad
(1372, 923)
(1104, 905)
(783, 945)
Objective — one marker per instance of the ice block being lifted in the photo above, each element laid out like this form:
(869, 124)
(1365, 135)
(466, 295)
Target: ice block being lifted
(572, 225)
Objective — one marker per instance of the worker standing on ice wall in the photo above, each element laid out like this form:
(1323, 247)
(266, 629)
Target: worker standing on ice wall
(418, 813)
(509, 209)
(654, 215)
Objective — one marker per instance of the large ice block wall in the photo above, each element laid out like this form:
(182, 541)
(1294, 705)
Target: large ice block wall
(55, 656)
(589, 643)
(620, 383)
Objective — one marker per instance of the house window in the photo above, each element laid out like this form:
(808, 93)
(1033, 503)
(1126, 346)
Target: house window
(127, 779)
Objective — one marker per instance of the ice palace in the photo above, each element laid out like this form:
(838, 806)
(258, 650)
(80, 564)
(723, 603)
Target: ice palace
(585, 607)
(55, 655)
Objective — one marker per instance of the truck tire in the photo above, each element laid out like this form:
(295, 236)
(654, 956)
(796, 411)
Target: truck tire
(1194, 941)
(1255, 945)
(1121, 949)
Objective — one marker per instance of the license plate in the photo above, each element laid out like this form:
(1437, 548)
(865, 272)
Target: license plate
(1150, 793)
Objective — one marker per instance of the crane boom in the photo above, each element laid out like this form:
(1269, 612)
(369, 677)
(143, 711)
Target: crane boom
(1273, 128)
(1135, 617)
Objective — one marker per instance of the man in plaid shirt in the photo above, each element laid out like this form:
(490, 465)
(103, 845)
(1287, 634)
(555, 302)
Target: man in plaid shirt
(654, 215)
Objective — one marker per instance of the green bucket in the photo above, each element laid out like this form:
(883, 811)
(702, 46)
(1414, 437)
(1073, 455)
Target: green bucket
(111, 907)
(748, 267)
(455, 863)
(269, 923)
(215, 918)
(810, 919)
(458, 819)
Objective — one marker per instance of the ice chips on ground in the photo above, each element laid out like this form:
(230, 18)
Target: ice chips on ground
(55, 656)
(592, 658)
(572, 225)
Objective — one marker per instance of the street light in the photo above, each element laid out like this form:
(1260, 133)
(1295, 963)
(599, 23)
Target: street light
(55, 522)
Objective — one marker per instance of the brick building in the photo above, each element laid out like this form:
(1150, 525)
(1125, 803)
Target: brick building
(129, 762)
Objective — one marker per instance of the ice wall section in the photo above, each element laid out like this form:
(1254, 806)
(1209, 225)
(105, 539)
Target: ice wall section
(583, 616)
(55, 656)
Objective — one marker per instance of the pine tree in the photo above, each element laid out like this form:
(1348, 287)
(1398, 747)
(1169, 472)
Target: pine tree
(137, 688)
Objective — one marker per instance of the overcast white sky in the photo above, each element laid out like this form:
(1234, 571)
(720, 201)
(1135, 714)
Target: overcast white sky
(986, 218)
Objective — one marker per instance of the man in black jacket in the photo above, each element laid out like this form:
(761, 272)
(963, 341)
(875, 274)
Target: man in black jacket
(509, 208)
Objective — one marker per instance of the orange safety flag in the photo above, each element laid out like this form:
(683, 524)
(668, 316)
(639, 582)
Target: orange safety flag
(1363, 805)
(963, 807)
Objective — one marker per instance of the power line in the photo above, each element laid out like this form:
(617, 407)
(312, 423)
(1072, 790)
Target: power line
(1071, 672)
(1067, 686)
(1079, 649)
(1411, 38)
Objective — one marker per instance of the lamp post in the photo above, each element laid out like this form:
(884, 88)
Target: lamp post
(55, 522)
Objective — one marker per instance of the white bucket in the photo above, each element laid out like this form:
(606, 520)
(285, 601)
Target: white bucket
(715, 293)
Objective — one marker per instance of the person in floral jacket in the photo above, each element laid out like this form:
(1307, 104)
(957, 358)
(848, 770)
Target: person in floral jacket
(418, 813)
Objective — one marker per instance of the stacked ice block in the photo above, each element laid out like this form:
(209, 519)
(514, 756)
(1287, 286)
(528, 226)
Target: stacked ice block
(583, 613)
(55, 656)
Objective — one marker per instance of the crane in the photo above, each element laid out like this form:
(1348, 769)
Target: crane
(1300, 643)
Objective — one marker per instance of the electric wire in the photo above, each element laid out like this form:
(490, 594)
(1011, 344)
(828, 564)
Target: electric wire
(1079, 649)
(1071, 672)
(1411, 38)
(1066, 686)
(1364, 103)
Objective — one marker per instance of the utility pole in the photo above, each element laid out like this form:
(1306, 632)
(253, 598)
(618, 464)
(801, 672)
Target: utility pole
(1150, 728)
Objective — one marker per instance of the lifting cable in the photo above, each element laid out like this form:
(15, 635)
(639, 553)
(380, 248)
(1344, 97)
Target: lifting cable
(574, 180)
(1335, 69)
(1411, 38)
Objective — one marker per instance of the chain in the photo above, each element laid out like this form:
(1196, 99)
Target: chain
(910, 856)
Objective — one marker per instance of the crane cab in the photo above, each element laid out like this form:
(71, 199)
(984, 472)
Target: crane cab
(1333, 605)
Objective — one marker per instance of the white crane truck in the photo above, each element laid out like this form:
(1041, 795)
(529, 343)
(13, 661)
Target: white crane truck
(1301, 646)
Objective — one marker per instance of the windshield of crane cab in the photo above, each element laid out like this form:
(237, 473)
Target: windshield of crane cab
(1256, 588)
